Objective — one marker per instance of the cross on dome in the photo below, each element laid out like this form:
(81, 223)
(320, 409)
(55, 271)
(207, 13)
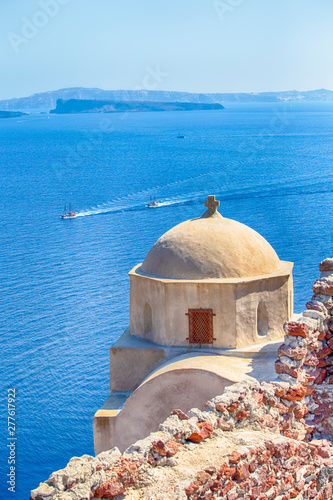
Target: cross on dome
(211, 203)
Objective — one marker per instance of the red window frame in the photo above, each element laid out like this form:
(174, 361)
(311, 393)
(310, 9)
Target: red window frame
(200, 326)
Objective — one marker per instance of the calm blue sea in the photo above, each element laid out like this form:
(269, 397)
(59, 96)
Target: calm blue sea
(64, 285)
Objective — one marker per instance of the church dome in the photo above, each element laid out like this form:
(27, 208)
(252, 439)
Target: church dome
(211, 246)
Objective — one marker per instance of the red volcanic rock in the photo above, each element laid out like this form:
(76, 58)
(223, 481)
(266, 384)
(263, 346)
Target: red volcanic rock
(282, 368)
(322, 408)
(295, 393)
(216, 485)
(309, 378)
(210, 470)
(330, 342)
(227, 471)
(283, 449)
(324, 352)
(202, 477)
(279, 392)
(326, 265)
(315, 306)
(285, 422)
(270, 481)
(180, 414)
(223, 425)
(296, 353)
(229, 485)
(311, 361)
(283, 409)
(234, 457)
(241, 414)
(255, 492)
(159, 448)
(264, 457)
(322, 288)
(234, 406)
(168, 449)
(290, 434)
(151, 460)
(323, 448)
(109, 489)
(288, 481)
(172, 448)
(192, 488)
(244, 486)
(258, 397)
(268, 421)
(253, 465)
(321, 377)
(300, 411)
(242, 471)
(322, 363)
(205, 430)
(296, 329)
(126, 475)
(221, 407)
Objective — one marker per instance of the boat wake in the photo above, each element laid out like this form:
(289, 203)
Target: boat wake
(300, 185)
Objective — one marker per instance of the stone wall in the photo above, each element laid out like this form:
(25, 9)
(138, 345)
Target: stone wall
(306, 356)
(261, 435)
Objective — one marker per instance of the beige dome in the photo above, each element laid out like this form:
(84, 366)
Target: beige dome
(211, 247)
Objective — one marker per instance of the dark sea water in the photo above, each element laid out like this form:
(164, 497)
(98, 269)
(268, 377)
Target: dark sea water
(64, 285)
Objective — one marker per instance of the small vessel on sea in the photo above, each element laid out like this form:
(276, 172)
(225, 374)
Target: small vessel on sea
(153, 204)
(68, 215)
(180, 136)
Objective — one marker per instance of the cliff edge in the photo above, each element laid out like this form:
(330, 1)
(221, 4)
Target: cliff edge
(92, 106)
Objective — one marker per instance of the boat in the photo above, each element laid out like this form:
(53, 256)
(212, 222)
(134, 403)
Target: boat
(68, 215)
(179, 136)
(153, 204)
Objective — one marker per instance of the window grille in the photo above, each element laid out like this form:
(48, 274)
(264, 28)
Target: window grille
(200, 326)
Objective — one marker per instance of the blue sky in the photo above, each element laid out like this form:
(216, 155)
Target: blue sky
(192, 45)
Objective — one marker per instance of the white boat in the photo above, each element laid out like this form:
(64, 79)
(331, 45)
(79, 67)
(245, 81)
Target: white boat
(68, 215)
(153, 204)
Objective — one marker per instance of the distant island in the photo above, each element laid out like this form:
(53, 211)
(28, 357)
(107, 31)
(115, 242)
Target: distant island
(48, 100)
(11, 114)
(92, 106)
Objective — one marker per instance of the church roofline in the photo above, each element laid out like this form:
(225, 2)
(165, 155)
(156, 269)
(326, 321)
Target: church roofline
(285, 270)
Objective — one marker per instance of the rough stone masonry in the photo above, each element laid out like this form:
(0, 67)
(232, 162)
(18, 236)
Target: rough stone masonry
(255, 441)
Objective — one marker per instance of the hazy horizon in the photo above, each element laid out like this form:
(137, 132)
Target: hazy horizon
(164, 90)
(197, 46)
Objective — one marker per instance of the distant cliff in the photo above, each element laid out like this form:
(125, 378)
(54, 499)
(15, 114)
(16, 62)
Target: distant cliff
(92, 106)
(11, 114)
(47, 100)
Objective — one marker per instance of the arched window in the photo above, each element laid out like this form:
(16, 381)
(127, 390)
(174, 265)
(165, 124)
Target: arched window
(147, 319)
(262, 320)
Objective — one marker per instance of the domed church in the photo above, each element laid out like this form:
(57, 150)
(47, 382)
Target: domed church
(207, 308)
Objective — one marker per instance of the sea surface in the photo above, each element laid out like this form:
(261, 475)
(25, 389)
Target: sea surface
(64, 284)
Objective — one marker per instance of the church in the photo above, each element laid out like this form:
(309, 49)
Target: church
(207, 308)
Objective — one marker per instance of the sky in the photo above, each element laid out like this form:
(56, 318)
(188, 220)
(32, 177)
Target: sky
(186, 45)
